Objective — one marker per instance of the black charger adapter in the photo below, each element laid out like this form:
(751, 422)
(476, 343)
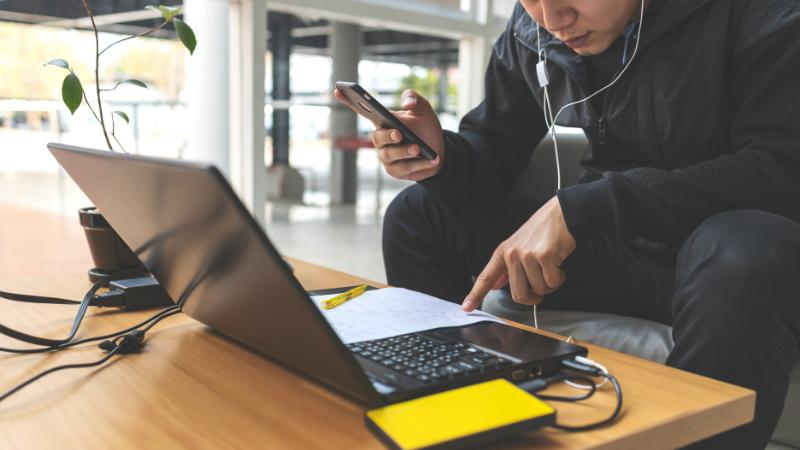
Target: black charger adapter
(134, 294)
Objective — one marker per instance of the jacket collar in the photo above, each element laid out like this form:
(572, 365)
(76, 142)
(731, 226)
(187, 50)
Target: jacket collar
(666, 15)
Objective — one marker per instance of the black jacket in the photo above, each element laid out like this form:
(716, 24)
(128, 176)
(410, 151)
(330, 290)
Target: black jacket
(705, 120)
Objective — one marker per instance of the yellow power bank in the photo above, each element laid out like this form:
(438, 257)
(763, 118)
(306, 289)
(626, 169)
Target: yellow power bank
(467, 416)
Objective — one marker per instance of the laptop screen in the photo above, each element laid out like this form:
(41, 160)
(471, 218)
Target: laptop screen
(192, 232)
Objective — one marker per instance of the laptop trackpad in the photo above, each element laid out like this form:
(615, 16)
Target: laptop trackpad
(508, 340)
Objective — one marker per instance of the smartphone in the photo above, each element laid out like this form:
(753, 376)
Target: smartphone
(372, 110)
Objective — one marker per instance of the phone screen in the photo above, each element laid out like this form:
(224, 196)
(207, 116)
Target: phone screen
(368, 107)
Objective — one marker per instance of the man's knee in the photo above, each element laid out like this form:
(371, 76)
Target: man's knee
(751, 255)
(415, 207)
(410, 218)
(413, 239)
(406, 205)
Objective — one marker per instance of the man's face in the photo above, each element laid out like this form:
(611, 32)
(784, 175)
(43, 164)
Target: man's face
(589, 27)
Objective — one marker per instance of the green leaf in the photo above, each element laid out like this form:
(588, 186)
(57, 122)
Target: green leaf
(72, 92)
(135, 83)
(167, 12)
(123, 115)
(58, 62)
(186, 34)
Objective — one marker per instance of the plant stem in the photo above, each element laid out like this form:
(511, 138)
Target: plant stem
(119, 143)
(114, 134)
(97, 73)
(144, 33)
(111, 89)
(89, 105)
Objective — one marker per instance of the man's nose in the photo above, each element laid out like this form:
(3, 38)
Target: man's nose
(557, 16)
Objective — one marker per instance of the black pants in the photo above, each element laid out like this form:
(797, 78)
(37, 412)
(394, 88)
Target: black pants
(731, 294)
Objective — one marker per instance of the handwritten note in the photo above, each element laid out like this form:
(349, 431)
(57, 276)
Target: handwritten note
(389, 312)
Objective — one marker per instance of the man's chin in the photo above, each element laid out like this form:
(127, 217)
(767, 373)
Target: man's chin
(590, 50)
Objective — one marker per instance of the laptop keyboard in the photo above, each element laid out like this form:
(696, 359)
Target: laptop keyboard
(428, 360)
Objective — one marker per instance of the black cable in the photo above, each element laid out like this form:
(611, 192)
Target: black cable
(18, 387)
(540, 383)
(171, 311)
(43, 299)
(157, 317)
(84, 305)
(25, 298)
(578, 398)
(89, 299)
(606, 421)
(131, 342)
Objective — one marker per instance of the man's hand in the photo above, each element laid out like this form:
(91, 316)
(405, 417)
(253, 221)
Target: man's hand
(403, 161)
(530, 260)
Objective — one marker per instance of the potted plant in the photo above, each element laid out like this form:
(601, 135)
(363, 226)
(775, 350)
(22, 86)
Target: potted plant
(109, 252)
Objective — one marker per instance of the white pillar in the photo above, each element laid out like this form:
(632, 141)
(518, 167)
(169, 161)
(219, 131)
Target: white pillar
(473, 55)
(208, 87)
(248, 45)
(473, 58)
(345, 50)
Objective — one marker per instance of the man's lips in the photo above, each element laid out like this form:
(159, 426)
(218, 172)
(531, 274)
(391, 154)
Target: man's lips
(577, 42)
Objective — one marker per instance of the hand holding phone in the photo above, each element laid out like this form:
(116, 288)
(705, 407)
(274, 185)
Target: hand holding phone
(404, 153)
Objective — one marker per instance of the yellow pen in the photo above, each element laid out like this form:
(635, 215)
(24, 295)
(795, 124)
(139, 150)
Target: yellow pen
(333, 302)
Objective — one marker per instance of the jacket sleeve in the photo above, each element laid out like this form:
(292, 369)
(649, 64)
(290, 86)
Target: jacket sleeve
(495, 140)
(762, 170)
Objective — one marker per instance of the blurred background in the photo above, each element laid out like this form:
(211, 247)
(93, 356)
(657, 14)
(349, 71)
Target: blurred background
(255, 99)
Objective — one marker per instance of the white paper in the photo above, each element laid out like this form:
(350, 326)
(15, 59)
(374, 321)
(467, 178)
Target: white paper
(390, 312)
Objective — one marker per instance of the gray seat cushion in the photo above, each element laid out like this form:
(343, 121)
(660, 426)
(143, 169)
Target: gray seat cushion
(639, 337)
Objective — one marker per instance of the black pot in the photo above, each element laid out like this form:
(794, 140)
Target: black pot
(110, 254)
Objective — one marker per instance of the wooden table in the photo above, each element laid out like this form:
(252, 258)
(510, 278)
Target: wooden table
(192, 388)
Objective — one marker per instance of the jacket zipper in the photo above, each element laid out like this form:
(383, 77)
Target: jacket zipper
(601, 127)
(601, 123)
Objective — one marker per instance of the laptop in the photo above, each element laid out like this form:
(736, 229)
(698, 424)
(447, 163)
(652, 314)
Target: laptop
(186, 224)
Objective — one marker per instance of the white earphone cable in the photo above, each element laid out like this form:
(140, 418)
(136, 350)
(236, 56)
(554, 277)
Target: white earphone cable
(548, 108)
(590, 363)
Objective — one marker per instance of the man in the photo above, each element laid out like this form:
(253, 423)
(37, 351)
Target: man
(688, 210)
